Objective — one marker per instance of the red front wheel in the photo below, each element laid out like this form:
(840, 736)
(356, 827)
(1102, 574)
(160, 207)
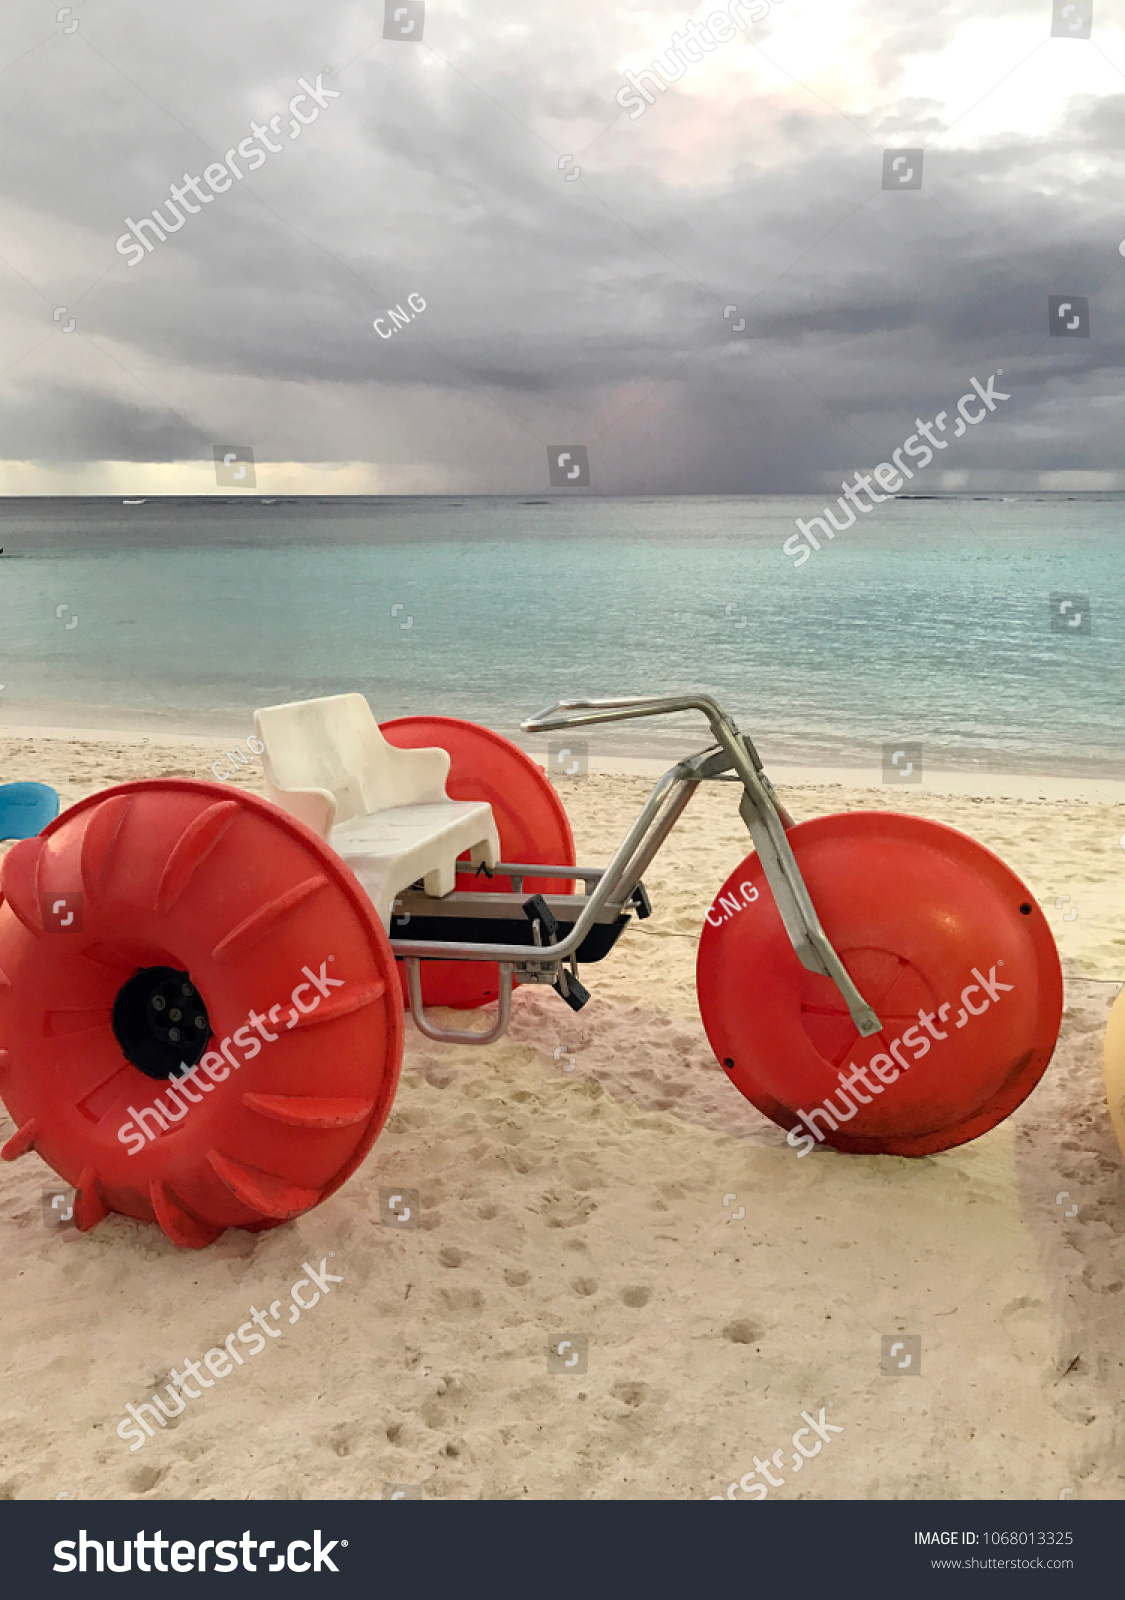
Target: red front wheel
(939, 936)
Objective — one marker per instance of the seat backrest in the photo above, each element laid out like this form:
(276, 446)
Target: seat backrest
(335, 743)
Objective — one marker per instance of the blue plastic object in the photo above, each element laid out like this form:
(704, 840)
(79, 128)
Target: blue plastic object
(26, 808)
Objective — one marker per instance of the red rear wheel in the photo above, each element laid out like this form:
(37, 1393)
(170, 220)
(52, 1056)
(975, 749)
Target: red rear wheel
(530, 819)
(928, 923)
(141, 934)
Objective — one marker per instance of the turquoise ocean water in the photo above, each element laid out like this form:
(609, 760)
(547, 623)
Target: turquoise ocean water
(931, 621)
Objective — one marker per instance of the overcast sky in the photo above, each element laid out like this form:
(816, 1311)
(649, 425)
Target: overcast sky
(559, 309)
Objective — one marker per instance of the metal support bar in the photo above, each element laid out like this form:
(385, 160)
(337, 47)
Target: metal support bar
(531, 869)
(457, 1035)
(760, 812)
(463, 903)
(643, 856)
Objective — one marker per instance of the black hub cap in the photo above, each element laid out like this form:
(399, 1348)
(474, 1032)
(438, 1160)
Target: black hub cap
(160, 1022)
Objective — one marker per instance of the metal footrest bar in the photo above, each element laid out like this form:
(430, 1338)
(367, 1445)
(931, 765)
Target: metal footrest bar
(459, 1035)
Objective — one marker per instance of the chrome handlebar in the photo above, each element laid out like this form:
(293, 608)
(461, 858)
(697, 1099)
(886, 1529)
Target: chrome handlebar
(762, 813)
(631, 706)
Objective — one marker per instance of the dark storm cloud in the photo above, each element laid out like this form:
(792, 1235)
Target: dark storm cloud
(593, 306)
(94, 425)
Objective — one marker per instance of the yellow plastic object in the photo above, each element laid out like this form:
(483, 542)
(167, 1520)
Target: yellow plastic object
(1115, 1068)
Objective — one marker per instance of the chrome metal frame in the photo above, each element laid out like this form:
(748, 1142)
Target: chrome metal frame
(732, 758)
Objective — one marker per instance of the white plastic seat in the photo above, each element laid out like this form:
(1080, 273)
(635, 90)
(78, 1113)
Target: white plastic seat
(384, 810)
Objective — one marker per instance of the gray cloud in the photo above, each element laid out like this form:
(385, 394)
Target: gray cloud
(589, 310)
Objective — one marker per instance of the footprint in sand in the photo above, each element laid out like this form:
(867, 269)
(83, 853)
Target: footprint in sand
(742, 1331)
(145, 1478)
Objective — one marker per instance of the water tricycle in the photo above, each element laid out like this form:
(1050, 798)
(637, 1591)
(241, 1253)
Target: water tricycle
(202, 992)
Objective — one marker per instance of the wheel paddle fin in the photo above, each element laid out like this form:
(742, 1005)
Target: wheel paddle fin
(99, 845)
(89, 1203)
(19, 880)
(306, 1111)
(263, 1192)
(177, 1222)
(22, 1141)
(266, 918)
(191, 850)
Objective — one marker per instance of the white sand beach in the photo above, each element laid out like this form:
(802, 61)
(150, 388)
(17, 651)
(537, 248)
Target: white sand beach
(596, 1177)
